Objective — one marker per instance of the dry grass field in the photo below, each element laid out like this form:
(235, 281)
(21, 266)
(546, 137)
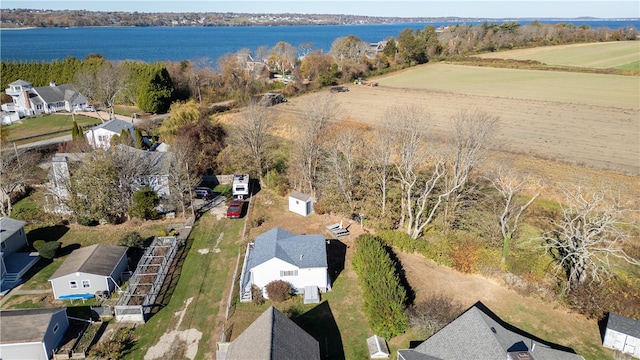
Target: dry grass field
(590, 120)
(593, 55)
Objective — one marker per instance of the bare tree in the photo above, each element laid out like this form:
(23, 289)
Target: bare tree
(282, 57)
(472, 131)
(17, 169)
(410, 152)
(511, 187)
(380, 151)
(252, 131)
(182, 178)
(319, 111)
(104, 84)
(589, 233)
(344, 162)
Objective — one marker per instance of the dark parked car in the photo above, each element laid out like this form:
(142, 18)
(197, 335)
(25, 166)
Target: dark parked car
(203, 193)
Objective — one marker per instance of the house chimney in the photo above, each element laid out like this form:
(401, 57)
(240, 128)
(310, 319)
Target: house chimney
(27, 102)
(52, 83)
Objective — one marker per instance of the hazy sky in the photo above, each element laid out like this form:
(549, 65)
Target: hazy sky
(417, 8)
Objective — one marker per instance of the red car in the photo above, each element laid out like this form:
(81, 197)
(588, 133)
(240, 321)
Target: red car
(235, 209)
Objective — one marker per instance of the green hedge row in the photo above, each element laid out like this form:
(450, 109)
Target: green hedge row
(384, 296)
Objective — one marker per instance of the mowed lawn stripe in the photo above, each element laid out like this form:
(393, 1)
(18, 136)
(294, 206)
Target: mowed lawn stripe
(567, 87)
(592, 55)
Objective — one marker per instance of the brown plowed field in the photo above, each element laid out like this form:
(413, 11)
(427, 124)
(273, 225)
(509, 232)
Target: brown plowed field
(602, 137)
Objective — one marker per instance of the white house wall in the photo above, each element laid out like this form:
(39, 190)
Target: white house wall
(618, 341)
(298, 206)
(61, 286)
(270, 271)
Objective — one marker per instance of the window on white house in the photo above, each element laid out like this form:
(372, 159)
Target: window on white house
(73, 284)
(86, 284)
(288, 272)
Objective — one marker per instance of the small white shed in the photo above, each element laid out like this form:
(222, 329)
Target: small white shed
(378, 348)
(622, 334)
(300, 203)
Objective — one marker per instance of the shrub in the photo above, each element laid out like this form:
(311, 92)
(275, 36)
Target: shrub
(116, 347)
(86, 221)
(256, 295)
(464, 257)
(38, 243)
(144, 204)
(48, 250)
(132, 239)
(278, 290)
(433, 313)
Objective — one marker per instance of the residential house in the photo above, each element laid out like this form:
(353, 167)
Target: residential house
(479, 334)
(89, 271)
(14, 262)
(622, 334)
(375, 48)
(100, 136)
(29, 100)
(32, 333)
(272, 336)
(153, 168)
(300, 203)
(300, 260)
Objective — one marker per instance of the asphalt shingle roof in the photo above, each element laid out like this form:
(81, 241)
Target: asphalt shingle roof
(99, 259)
(115, 126)
(9, 226)
(273, 336)
(59, 93)
(25, 325)
(624, 325)
(479, 334)
(303, 251)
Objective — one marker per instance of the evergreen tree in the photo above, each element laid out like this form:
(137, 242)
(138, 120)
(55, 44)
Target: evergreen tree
(76, 133)
(138, 135)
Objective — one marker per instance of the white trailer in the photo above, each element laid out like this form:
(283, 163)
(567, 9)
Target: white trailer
(240, 187)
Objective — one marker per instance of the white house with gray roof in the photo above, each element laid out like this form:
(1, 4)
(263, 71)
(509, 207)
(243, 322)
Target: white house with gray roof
(480, 335)
(100, 136)
(29, 100)
(90, 270)
(32, 333)
(300, 260)
(272, 336)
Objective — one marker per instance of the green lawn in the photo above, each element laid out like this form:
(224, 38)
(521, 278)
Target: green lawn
(570, 87)
(46, 124)
(620, 54)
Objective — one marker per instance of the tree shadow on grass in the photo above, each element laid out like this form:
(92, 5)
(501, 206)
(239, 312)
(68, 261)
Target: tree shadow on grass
(411, 294)
(47, 233)
(320, 323)
(336, 255)
(68, 249)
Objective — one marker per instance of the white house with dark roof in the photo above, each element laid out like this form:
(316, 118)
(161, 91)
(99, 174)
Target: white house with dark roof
(622, 334)
(480, 335)
(29, 100)
(32, 333)
(100, 136)
(90, 270)
(272, 336)
(14, 262)
(300, 260)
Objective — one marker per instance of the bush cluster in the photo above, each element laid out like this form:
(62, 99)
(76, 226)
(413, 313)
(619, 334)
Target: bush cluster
(48, 250)
(384, 297)
(278, 290)
(132, 239)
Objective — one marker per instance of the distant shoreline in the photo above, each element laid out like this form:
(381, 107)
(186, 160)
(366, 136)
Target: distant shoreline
(19, 28)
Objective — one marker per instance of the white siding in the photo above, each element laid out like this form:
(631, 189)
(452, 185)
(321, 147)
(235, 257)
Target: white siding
(618, 341)
(298, 206)
(270, 271)
(61, 286)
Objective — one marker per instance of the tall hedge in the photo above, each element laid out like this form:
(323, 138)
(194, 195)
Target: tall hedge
(384, 297)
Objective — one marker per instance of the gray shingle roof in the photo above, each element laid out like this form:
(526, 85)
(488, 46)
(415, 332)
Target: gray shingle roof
(115, 126)
(300, 196)
(25, 325)
(99, 259)
(624, 325)
(273, 336)
(9, 226)
(59, 93)
(20, 82)
(479, 334)
(303, 251)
